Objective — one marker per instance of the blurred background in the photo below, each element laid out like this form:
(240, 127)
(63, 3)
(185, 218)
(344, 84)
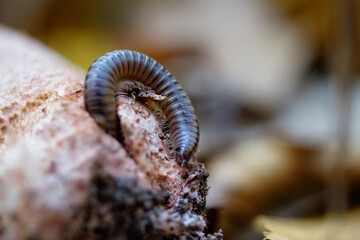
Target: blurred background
(273, 82)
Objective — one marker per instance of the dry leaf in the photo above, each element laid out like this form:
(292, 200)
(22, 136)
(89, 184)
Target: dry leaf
(344, 227)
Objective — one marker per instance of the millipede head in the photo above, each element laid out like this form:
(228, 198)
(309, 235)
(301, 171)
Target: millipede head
(183, 155)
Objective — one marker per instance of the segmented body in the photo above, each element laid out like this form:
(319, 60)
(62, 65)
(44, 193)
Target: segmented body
(109, 70)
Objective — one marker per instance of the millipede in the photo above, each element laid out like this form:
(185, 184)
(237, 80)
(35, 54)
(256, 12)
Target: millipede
(108, 71)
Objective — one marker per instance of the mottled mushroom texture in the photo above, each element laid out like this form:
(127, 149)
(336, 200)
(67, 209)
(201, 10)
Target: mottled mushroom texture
(62, 177)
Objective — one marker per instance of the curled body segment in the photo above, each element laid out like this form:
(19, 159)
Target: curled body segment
(110, 69)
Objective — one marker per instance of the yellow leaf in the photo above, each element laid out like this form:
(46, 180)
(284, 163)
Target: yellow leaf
(336, 227)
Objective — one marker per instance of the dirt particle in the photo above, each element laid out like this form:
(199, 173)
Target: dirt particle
(43, 96)
(13, 117)
(6, 109)
(30, 104)
(52, 132)
(70, 98)
(3, 128)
